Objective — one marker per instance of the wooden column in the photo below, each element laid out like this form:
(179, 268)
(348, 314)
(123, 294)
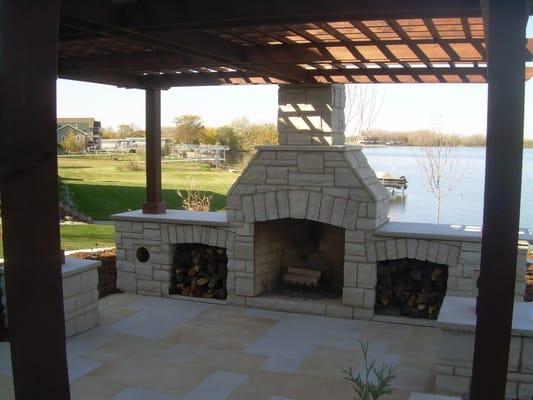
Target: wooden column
(154, 197)
(503, 173)
(28, 188)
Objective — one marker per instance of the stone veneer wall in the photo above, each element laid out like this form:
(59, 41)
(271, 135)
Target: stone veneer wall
(329, 184)
(80, 295)
(462, 257)
(457, 348)
(152, 278)
(311, 114)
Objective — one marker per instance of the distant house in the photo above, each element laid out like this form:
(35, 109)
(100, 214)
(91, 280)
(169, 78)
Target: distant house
(85, 130)
(64, 131)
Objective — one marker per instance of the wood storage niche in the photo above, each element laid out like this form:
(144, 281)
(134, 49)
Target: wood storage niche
(199, 271)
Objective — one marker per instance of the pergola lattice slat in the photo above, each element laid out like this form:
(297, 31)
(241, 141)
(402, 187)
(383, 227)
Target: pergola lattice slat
(374, 51)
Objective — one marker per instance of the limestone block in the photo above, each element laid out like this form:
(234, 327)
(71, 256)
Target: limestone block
(149, 285)
(152, 234)
(371, 252)
(390, 247)
(422, 250)
(448, 384)
(353, 296)
(366, 224)
(401, 248)
(355, 249)
(234, 201)
(126, 281)
(235, 265)
(354, 236)
(366, 275)
(160, 275)
(453, 256)
(337, 213)
(244, 250)
(345, 177)
(433, 250)
(527, 356)
(71, 285)
(137, 227)
(282, 198)
(298, 203)
(325, 209)
(360, 195)
(89, 280)
(369, 298)
(271, 206)
(126, 266)
(197, 234)
(255, 174)
(456, 348)
(244, 286)
(525, 390)
(470, 257)
(277, 172)
(122, 226)
(143, 271)
(306, 179)
(381, 251)
(87, 321)
(350, 274)
(248, 208)
(313, 206)
(312, 162)
(442, 254)
(259, 207)
(188, 234)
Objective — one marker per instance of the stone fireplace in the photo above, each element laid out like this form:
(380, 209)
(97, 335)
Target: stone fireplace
(309, 210)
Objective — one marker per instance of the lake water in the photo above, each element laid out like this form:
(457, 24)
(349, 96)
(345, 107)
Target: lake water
(464, 205)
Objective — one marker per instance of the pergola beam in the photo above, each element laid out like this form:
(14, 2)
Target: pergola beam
(506, 23)
(216, 13)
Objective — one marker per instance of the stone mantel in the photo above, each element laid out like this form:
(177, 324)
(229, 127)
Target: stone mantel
(206, 218)
(321, 148)
(454, 232)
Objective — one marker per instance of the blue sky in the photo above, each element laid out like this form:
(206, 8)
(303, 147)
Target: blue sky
(458, 108)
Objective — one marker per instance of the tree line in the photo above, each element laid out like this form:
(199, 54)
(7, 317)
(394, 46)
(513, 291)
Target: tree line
(425, 136)
(240, 135)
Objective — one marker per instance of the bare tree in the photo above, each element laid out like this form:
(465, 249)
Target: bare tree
(443, 169)
(363, 104)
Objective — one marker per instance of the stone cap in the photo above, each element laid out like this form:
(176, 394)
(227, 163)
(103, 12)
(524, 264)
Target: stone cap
(419, 230)
(183, 217)
(311, 147)
(75, 266)
(459, 314)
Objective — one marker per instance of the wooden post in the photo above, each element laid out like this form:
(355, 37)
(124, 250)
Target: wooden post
(154, 198)
(503, 174)
(29, 192)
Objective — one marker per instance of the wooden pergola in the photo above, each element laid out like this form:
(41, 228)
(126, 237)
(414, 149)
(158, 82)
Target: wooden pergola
(158, 44)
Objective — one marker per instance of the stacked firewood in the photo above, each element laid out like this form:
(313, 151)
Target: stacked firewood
(529, 278)
(410, 288)
(200, 271)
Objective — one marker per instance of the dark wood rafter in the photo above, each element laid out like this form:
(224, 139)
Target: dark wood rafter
(209, 14)
(206, 48)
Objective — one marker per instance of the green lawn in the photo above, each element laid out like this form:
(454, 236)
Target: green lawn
(104, 186)
(75, 237)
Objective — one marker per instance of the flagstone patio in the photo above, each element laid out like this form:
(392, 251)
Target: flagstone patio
(162, 349)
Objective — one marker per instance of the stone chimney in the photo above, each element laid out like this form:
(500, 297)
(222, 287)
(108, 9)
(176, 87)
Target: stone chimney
(311, 114)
